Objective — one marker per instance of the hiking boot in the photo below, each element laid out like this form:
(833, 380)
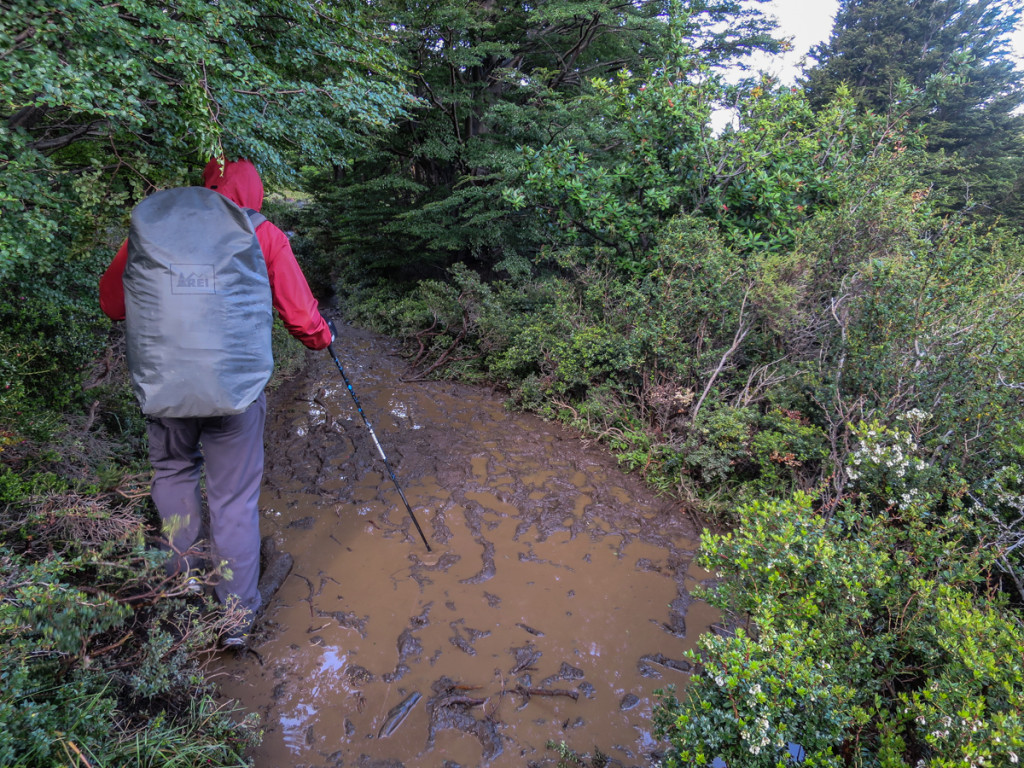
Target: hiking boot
(275, 571)
(275, 567)
(235, 640)
(238, 638)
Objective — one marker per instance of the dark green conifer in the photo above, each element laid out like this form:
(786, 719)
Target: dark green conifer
(955, 55)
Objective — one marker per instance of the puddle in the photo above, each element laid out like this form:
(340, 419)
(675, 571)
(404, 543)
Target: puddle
(555, 602)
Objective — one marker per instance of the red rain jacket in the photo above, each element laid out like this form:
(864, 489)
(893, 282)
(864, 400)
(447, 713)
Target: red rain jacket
(294, 302)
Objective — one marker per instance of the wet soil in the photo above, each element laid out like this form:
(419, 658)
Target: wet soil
(556, 600)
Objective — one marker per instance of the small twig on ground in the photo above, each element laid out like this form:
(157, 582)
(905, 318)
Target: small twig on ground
(526, 693)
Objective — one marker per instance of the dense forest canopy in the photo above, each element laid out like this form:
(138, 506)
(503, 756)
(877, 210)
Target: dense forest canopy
(494, 79)
(958, 54)
(807, 329)
(100, 100)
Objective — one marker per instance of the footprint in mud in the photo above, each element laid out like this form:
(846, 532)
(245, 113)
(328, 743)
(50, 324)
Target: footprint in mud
(450, 708)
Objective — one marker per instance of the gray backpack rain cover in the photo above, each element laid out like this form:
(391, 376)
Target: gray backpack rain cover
(198, 309)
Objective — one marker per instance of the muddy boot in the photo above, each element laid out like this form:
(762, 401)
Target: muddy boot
(237, 639)
(268, 548)
(274, 569)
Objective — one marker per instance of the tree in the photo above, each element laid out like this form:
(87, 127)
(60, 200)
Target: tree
(493, 78)
(101, 102)
(956, 53)
(93, 92)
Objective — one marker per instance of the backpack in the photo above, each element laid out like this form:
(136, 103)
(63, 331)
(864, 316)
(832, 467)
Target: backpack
(198, 307)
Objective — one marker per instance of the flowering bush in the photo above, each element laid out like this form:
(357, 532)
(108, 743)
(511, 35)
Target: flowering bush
(876, 639)
(887, 462)
(756, 697)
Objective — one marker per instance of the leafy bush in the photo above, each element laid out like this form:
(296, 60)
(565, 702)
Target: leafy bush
(50, 334)
(926, 320)
(97, 645)
(876, 638)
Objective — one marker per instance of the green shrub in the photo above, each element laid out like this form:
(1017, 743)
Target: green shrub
(50, 334)
(289, 354)
(789, 451)
(97, 647)
(756, 696)
(719, 441)
(875, 637)
(999, 501)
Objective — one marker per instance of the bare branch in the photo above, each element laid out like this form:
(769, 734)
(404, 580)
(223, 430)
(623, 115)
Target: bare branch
(60, 142)
(742, 329)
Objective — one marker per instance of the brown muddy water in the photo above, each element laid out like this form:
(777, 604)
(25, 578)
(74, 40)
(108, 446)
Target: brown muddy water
(555, 602)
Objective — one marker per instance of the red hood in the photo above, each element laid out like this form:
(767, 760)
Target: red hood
(240, 182)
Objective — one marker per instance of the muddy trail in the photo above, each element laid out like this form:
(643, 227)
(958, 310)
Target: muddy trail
(556, 600)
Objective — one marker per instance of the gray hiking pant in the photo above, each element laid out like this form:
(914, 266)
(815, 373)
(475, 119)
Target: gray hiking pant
(232, 449)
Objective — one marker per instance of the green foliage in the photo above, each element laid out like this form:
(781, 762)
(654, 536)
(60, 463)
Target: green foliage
(931, 323)
(788, 448)
(954, 53)
(757, 184)
(720, 439)
(42, 619)
(569, 758)
(754, 699)
(46, 614)
(15, 487)
(498, 79)
(100, 651)
(102, 103)
(86, 675)
(50, 333)
(876, 44)
(808, 274)
(289, 354)
(999, 500)
(876, 641)
(96, 90)
(616, 199)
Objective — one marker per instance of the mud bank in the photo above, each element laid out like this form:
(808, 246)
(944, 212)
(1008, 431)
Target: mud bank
(555, 602)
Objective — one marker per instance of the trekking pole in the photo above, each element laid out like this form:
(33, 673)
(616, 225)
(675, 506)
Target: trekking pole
(387, 464)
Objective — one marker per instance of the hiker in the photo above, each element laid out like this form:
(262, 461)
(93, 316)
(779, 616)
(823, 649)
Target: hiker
(231, 442)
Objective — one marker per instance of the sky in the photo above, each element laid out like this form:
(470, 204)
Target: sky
(806, 22)
(809, 22)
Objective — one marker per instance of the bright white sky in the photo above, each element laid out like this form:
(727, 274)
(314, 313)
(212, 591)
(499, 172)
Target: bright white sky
(806, 22)
(809, 22)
